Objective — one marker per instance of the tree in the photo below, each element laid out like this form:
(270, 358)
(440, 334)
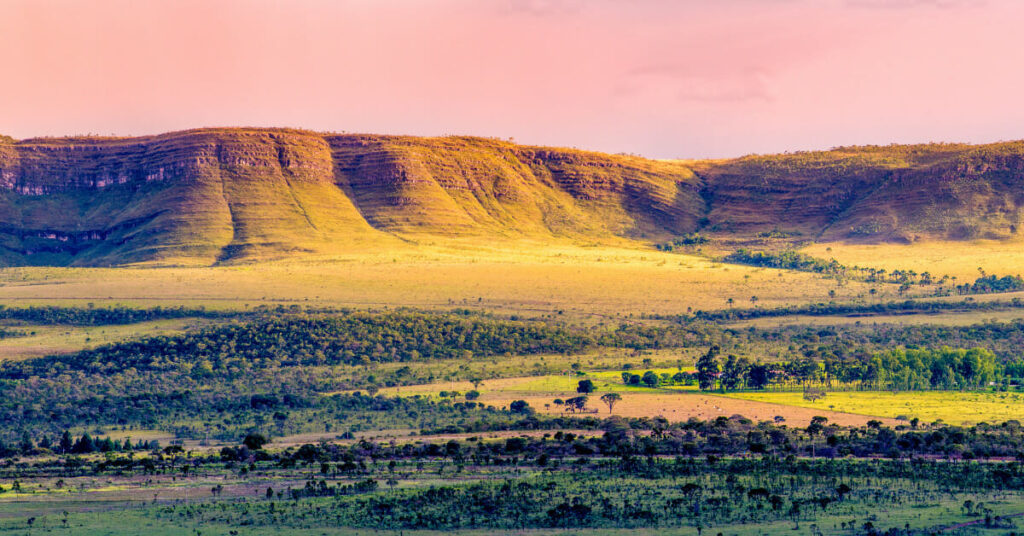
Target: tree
(650, 379)
(585, 387)
(575, 404)
(616, 430)
(472, 395)
(611, 399)
(707, 369)
(813, 394)
(84, 445)
(66, 443)
(734, 371)
(758, 376)
(816, 427)
(255, 441)
(520, 406)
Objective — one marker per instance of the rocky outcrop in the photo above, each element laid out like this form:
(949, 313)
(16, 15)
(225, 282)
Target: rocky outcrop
(215, 195)
(219, 195)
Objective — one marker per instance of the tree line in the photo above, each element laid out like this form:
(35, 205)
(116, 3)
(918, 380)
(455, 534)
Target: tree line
(895, 369)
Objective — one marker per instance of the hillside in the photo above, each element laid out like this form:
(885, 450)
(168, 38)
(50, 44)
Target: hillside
(210, 196)
(877, 194)
(216, 195)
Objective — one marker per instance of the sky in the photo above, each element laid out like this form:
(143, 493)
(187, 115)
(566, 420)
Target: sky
(659, 78)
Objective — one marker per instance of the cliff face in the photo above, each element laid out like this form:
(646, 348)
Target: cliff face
(896, 193)
(214, 195)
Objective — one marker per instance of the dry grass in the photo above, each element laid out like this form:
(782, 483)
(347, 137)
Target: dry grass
(64, 339)
(511, 276)
(943, 319)
(959, 259)
(679, 404)
(951, 407)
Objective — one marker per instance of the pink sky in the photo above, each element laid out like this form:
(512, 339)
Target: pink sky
(662, 78)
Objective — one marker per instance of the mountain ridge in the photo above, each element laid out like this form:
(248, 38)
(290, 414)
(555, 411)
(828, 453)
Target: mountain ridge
(215, 195)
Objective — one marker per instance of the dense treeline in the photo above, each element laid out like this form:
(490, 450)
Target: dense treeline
(102, 316)
(618, 485)
(788, 260)
(724, 436)
(229, 418)
(356, 338)
(895, 369)
(181, 382)
(991, 284)
(844, 343)
(845, 309)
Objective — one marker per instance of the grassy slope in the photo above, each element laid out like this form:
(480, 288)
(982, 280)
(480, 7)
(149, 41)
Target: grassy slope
(896, 193)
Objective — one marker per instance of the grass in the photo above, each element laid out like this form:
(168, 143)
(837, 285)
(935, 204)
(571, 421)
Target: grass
(513, 277)
(949, 406)
(675, 403)
(955, 259)
(107, 512)
(59, 339)
(943, 319)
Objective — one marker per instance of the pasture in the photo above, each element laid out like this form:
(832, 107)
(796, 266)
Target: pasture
(675, 403)
(46, 340)
(955, 259)
(951, 407)
(577, 281)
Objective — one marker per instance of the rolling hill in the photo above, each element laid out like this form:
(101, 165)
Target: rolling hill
(209, 196)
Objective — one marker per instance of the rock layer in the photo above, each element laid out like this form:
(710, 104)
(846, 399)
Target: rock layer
(217, 195)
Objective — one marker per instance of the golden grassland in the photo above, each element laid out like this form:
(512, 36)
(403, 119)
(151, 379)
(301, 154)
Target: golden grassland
(952, 407)
(677, 403)
(515, 277)
(946, 318)
(59, 339)
(955, 259)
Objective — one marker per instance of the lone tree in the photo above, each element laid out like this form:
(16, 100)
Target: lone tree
(585, 387)
(707, 369)
(611, 399)
(813, 394)
(255, 441)
(520, 406)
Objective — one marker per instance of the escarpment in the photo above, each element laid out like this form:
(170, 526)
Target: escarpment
(220, 195)
(217, 195)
